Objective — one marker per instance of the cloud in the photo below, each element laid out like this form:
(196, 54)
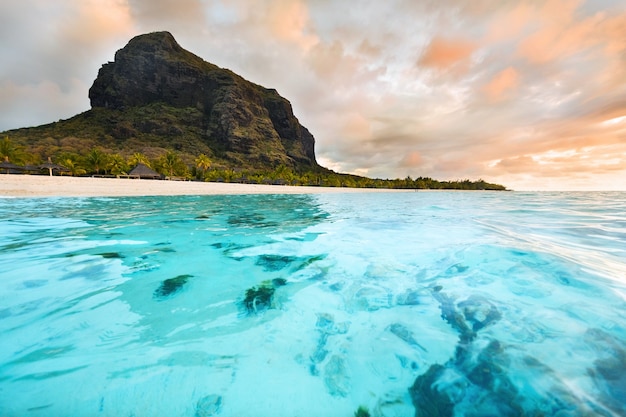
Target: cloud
(444, 53)
(559, 32)
(27, 105)
(502, 84)
(593, 167)
(288, 20)
(411, 160)
(516, 165)
(527, 93)
(93, 22)
(54, 54)
(184, 16)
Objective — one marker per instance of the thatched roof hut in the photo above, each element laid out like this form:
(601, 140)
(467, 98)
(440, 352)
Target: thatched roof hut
(144, 171)
(51, 166)
(9, 166)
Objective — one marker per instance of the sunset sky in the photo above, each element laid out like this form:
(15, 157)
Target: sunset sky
(529, 94)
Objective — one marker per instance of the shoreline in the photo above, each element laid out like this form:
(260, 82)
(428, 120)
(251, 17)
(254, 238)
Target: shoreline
(16, 185)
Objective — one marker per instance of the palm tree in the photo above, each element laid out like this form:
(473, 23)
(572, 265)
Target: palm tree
(117, 165)
(96, 159)
(11, 151)
(203, 162)
(282, 173)
(138, 158)
(171, 163)
(73, 166)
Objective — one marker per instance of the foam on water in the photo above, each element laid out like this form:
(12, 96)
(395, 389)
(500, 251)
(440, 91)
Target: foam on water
(405, 304)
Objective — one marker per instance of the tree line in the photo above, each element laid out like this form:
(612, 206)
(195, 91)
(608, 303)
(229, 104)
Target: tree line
(98, 161)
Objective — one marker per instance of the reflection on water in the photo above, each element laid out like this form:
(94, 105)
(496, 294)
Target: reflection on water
(427, 304)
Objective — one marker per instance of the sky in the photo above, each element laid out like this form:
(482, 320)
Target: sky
(528, 94)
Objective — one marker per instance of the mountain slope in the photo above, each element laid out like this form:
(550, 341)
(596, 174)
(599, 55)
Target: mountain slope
(156, 95)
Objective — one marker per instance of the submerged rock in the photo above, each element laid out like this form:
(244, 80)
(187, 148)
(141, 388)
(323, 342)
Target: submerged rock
(372, 298)
(171, 286)
(258, 298)
(426, 397)
(262, 297)
(362, 412)
(480, 379)
(408, 298)
(326, 324)
(209, 406)
(336, 377)
(111, 255)
(479, 311)
(318, 355)
(406, 362)
(453, 317)
(609, 370)
(279, 282)
(327, 327)
(249, 220)
(405, 334)
(274, 262)
(456, 269)
(166, 250)
(479, 385)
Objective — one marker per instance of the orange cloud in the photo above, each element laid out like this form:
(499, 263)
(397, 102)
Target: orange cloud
(516, 164)
(613, 42)
(411, 160)
(289, 20)
(355, 126)
(614, 31)
(370, 50)
(559, 32)
(444, 53)
(333, 64)
(509, 23)
(502, 84)
(326, 59)
(95, 20)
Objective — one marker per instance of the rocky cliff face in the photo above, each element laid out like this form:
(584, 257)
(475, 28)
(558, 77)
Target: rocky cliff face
(160, 93)
(156, 95)
(234, 118)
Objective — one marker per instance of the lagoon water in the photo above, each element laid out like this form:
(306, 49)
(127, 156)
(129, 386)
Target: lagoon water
(427, 303)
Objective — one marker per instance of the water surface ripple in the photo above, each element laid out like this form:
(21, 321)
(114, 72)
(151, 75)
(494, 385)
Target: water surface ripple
(426, 303)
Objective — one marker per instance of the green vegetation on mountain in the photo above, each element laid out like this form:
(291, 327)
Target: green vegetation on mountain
(96, 161)
(163, 106)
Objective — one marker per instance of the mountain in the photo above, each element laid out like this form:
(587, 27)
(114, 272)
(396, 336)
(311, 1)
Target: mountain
(156, 95)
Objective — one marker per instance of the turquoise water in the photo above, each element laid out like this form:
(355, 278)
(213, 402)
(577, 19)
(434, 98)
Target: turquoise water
(428, 304)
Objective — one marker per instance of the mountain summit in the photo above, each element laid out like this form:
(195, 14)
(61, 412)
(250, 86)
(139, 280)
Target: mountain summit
(157, 95)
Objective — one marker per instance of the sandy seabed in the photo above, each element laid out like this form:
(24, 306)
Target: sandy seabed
(46, 186)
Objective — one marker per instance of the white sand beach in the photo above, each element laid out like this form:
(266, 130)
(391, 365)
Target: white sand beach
(60, 186)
